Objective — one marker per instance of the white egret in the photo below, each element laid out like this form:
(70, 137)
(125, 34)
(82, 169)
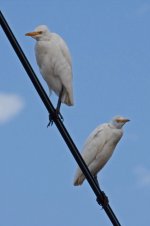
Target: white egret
(54, 61)
(99, 147)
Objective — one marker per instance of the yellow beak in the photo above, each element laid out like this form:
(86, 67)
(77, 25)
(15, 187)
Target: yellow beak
(123, 120)
(32, 34)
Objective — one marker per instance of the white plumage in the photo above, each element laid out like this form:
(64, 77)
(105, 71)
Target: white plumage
(54, 61)
(99, 147)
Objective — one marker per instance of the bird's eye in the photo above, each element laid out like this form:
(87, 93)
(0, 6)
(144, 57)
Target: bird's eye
(40, 32)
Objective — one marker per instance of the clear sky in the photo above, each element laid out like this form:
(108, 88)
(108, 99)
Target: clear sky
(110, 47)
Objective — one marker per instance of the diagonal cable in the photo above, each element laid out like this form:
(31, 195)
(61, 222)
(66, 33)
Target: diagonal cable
(60, 126)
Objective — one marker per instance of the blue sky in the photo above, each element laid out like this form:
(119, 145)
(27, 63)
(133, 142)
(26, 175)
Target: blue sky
(110, 48)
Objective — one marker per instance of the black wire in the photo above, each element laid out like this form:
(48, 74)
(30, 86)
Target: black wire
(58, 122)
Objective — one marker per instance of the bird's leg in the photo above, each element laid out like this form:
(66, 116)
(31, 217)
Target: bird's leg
(104, 201)
(57, 111)
(59, 103)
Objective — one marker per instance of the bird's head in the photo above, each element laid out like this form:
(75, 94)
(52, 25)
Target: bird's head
(39, 33)
(119, 121)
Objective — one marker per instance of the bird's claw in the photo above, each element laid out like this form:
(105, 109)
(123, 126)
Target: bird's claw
(104, 201)
(52, 116)
(60, 115)
(50, 121)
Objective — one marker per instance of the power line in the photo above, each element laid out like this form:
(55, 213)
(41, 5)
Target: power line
(76, 154)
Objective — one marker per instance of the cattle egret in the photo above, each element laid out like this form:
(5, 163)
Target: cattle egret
(99, 147)
(54, 61)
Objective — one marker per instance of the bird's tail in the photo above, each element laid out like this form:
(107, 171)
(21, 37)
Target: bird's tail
(67, 98)
(78, 180)
(68, 101)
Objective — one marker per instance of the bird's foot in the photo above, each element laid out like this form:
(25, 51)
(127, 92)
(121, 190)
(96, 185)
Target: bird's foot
(104, 201)
(52, 117)
(50, 120)
(60, 115)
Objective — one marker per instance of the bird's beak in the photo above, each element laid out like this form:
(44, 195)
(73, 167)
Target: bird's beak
(126, 120)
(123, 120)
(32, 34)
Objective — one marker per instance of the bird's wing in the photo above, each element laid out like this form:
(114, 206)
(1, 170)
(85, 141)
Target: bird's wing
(94, 144)
(63, 69)
(64, 49)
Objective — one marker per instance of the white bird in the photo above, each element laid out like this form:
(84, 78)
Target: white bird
(99, 147)
(54, 61)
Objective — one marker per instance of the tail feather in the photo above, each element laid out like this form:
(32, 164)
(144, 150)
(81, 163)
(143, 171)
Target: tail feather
(69, 100)
(79, 180)
(67, 96)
